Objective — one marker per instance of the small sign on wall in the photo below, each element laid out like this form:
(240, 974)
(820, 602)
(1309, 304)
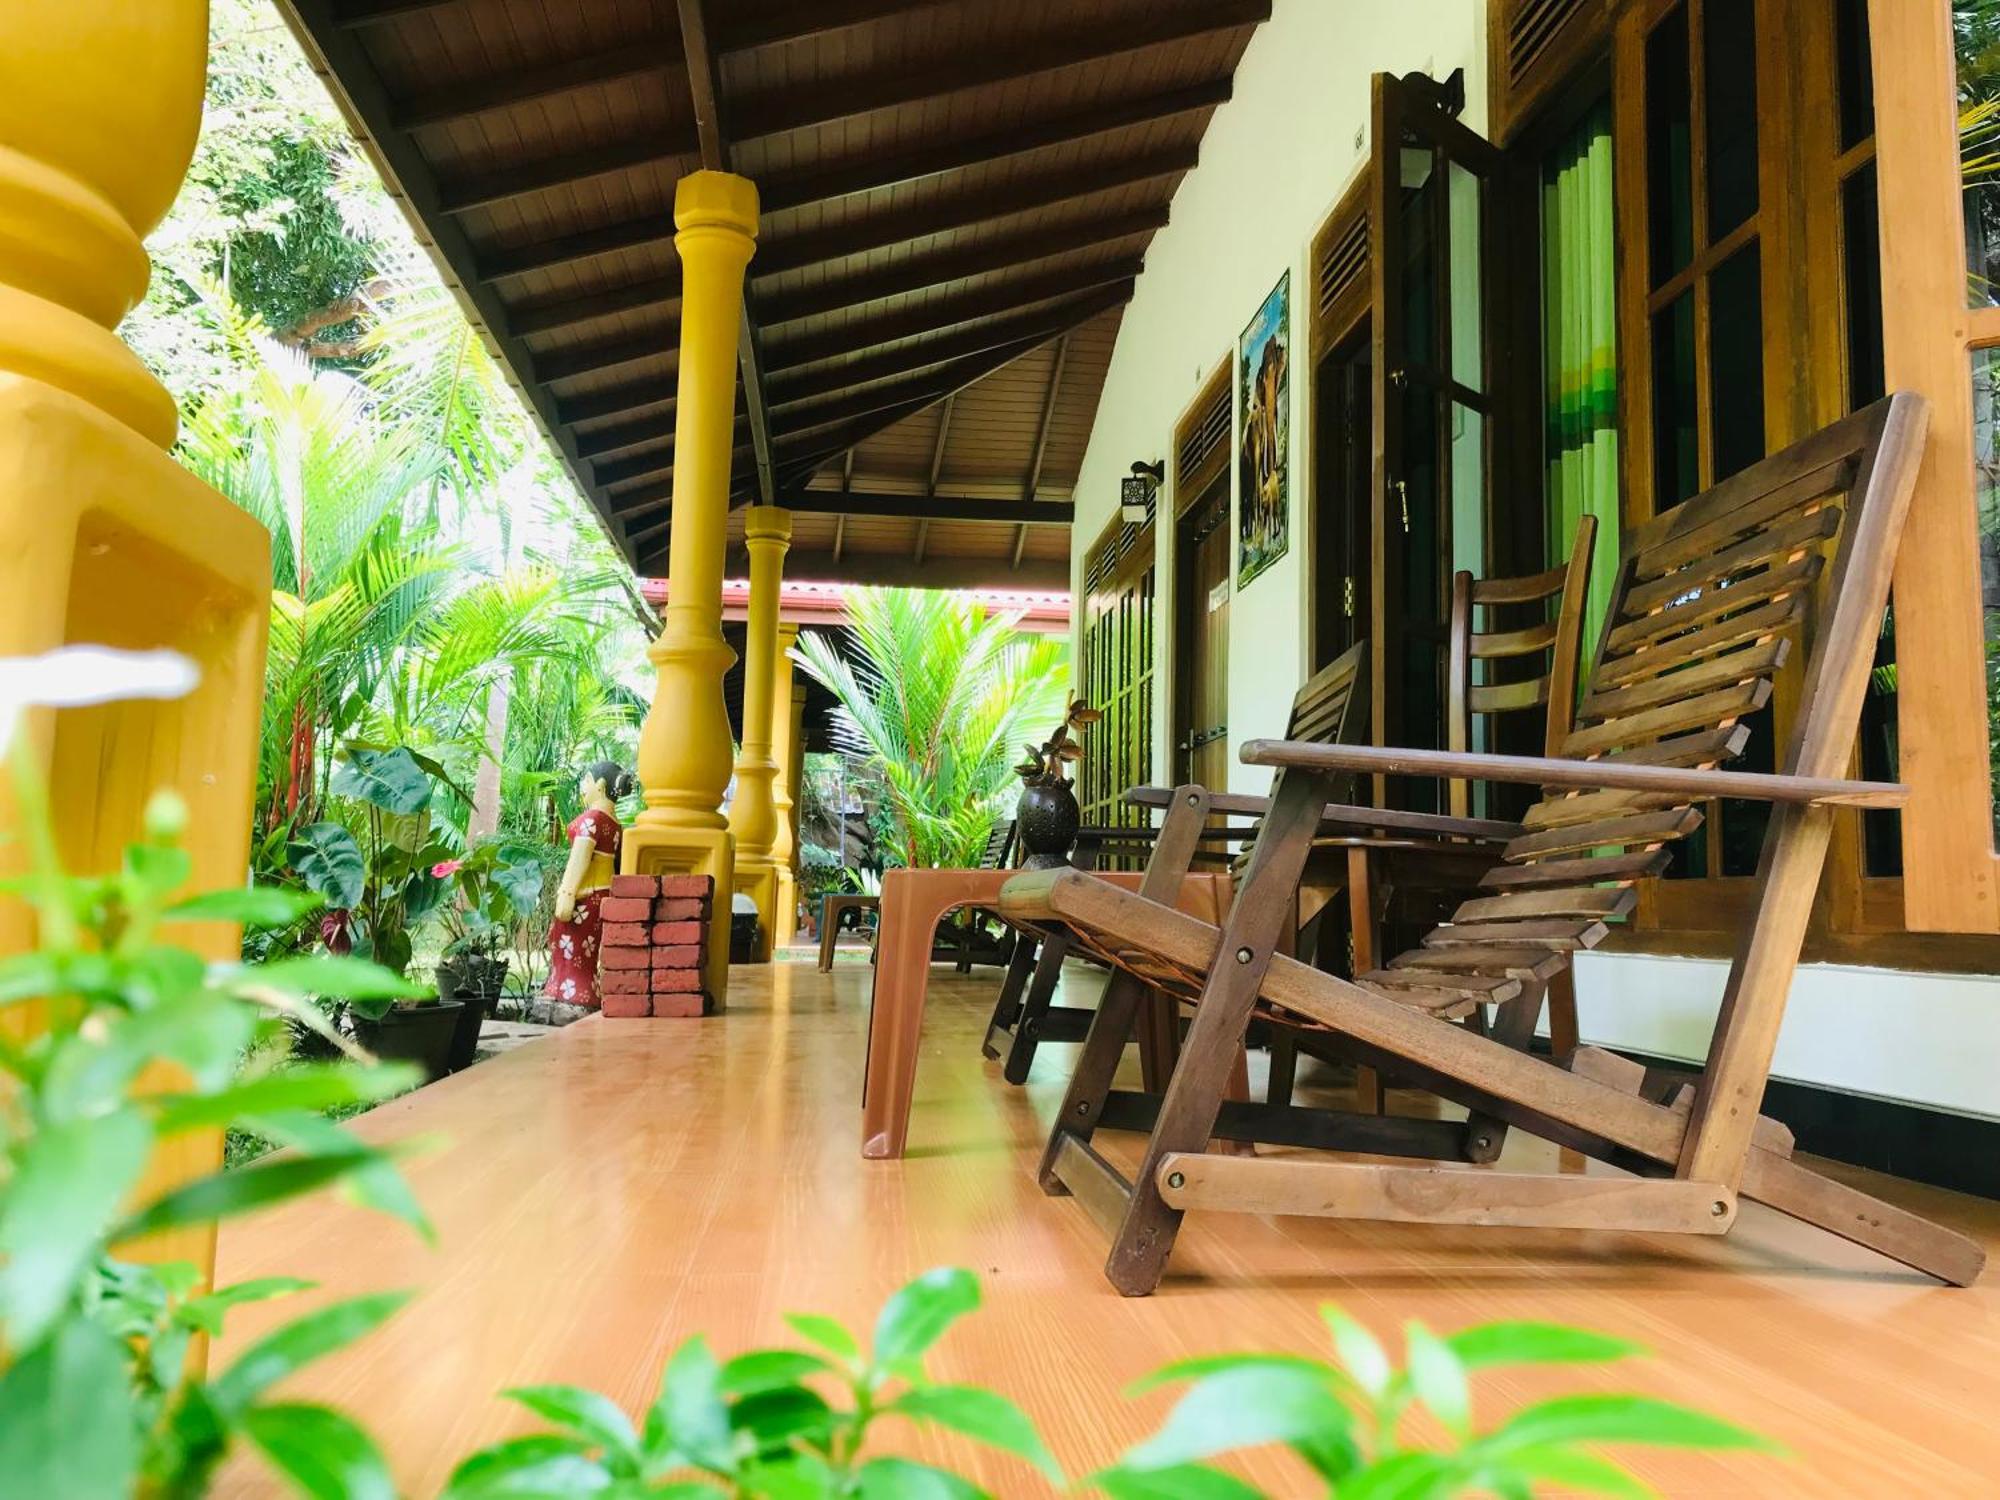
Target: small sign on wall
(1264, 430)
(1219, 595)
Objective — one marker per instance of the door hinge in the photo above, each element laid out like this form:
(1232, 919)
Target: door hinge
(1205, 736)
(1347, 596)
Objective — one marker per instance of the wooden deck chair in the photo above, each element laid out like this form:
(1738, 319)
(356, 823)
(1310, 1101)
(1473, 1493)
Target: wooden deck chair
(974, 943)
(1711, 597)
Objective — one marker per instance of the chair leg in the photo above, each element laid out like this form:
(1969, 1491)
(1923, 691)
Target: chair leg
(1007, 1009)
(829, 929)
(1041, 994)
(1362, 930)
(1284, 1067)
(1096, 1067)
(1563, 1035)
(1513, 1026)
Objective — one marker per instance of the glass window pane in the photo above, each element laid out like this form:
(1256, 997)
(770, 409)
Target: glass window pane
(1669, 191)
(1736, 361)
(1861, 247)
(1676, 463)
(1468, 364)
(1729, 55)
(1986, 496)
(1976, 29)
(1855, 71)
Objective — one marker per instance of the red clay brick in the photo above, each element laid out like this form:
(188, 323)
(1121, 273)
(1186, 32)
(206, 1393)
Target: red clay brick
(627, 1007)
(680, 909)
(677, 957)
(635, 885)
(677, 933)
(687, 1006)
(697, 886)
(626, 958)
(675, 981)
(627, 935)
(625, 981)
(626, 909)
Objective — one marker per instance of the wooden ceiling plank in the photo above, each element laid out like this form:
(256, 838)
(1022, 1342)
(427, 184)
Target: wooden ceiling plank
(581, 245)
(855, 403)
(567, 312)
(937, 467)
(821, 183)
(892, 571)
(604, 354)
(615, 402)
(351, 13)
(928, 507)
(799, 19)
(1042, 440)
(921, 272)
(902, 82)
(522, 179)
(1016, 294)
(920, 220)
(633, 57)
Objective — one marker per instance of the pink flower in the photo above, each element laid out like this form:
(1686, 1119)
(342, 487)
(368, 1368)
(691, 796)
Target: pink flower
(444, 869)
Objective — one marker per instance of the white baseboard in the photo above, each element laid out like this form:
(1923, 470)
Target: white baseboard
(1925, 1039)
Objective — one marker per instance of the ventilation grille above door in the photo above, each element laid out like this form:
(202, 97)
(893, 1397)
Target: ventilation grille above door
(1343, 264)
(1532, 29)
(1539, 45)
(1203, 439)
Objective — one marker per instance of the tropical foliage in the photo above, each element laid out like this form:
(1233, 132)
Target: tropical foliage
(935, 694)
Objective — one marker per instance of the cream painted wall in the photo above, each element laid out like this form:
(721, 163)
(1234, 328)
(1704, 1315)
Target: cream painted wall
(1276, 158)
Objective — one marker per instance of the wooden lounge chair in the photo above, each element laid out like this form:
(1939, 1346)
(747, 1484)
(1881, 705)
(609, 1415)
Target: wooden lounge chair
(1711, 597)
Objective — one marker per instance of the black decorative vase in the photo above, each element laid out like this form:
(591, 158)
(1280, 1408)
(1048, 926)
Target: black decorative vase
(1046, 823)
(476, 981)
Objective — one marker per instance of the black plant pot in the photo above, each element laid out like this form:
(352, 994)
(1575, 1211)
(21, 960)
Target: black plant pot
(475, 981)
(1046, 822)
(420, 1034)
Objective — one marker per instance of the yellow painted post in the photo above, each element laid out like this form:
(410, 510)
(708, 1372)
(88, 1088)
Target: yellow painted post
(684, 744)
(787, 706)
(753, 814)
(104, 539)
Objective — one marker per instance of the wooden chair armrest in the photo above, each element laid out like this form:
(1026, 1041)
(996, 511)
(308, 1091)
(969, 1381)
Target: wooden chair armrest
(1593, 775)
(1342, 815)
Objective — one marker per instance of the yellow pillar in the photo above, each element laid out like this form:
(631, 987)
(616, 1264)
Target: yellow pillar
(788, 702)
(684, 745)
(753, 814)
(104, 539)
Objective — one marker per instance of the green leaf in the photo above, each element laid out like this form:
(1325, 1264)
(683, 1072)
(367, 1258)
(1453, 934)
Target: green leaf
(207, 1312)
(540, 1465)
(791, 1476)
(901, 1479)
(917, 1316)
(319, 1086)
(690, 1407)
(329, 861)
(333, 976)
(1182, 1482)
(91, 1070)
(1359, 1351)
(1491, 1344)
(389, 779)
(68, 1426)
(156, 871)
(239, 1190)
(584, 1412)
(1573, 1469)
(829, 1335)
(1619, 1419)
(1243, 1409)
(1439, 1379)
(68, 1182)
(1407, 1476)
(324, 1454)
(985, 1415)
(296, 1345)
(1215, 1364)
(374, 1182)
(783, 1415)
(254, 906)
(767, 1369)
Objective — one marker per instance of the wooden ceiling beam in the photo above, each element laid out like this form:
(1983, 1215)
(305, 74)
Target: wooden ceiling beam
(567, 312)
(351, 13)
(797, 19)
(584, 244)
(880, 396)
(893, 570)
(1041, 451)
(604, 354)
(633, 57)
(912, 82)
(1016, 294)
(634, 396)
(921, 272)
(963, 209)
(521, 179)
(820, 183)
(930, 507)
(1036, 327)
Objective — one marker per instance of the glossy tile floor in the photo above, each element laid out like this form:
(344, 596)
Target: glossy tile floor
(606, 1192)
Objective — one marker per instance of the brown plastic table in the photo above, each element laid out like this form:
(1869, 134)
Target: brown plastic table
(912, 903)
(831, 905)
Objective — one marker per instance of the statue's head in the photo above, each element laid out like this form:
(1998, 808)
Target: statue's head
(603, 780)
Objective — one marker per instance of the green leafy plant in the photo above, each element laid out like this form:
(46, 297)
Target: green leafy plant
(98, 1395)
(1045, 762)
(495, 886)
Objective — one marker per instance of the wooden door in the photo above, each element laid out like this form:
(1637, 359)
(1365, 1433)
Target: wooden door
(1344, 541)
(1433, 406)
(1202, 615)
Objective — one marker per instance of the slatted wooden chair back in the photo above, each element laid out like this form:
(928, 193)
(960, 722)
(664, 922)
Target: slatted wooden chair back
(1328, 709)
(1497, 669)
(999, 846)
(1711, 600)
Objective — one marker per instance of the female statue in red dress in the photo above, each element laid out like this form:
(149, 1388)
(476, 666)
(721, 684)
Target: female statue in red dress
(594, 836)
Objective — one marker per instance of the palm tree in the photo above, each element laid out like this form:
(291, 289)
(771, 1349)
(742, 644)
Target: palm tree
(938, 694)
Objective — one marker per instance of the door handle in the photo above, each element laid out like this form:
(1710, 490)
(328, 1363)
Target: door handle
(1402, 501)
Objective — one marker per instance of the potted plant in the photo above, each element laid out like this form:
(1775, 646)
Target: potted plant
(376, 873)
(1047, 818)
(495, 886)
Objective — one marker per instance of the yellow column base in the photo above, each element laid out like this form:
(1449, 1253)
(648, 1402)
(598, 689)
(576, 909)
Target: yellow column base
(787, 931)
(760, 884)
(105, 540)
(691, 851)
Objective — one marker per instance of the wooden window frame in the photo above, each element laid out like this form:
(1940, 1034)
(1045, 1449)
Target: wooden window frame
(1127, 581)
(1195, 467)
(1332, 321)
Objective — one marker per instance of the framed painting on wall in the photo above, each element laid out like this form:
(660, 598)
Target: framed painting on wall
(1264, 428)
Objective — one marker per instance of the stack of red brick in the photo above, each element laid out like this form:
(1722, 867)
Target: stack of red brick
(655, 938)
